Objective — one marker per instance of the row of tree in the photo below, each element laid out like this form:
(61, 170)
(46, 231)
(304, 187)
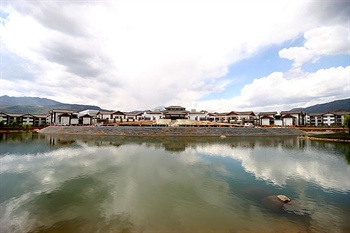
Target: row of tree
(15, 125)
(347, 122)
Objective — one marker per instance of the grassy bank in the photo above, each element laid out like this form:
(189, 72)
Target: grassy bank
(339, 135)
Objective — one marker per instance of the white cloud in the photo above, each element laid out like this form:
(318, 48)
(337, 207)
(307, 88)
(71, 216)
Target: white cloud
(139, 54)
(129, 181)
(282, 91)
(300, 55)
(308, 165)
(330, 40)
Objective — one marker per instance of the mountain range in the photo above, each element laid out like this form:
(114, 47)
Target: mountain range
(36, 105)
(337, 105)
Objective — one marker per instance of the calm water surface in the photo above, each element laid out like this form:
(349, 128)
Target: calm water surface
(115, 184)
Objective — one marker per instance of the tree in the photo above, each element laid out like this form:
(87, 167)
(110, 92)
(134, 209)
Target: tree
(16, 124)
(346, 122)
(2, 124)
(26, 127)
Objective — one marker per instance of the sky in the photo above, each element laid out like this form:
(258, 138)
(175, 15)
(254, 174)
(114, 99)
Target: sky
(215, 55)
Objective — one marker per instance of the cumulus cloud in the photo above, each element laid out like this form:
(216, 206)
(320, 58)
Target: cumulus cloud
(300, 55)
(331, 40)
(139, 54)
(119, 181)
(282, 91)
(305, 164)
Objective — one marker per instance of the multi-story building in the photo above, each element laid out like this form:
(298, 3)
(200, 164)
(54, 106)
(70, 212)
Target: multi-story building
(197, 116)
(285, 118)
(175, 112)
(340, 116)
(60, 116)
(3, 118)
(293, 117)
(24, 119)
(328, 119)
(153, 115)
(316, 119)
(267, 118)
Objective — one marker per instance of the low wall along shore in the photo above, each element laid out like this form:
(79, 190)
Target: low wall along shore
(171, 131)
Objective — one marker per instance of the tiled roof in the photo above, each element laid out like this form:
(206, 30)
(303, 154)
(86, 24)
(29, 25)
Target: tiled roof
(61, 110)
(15, 114)
(105, 112)
(288, 116)
(174, 106)
(175, 112)
(267, 113)
(292, 112)
(246, 113)
(119, 113)
(266, 116)
(86, 115)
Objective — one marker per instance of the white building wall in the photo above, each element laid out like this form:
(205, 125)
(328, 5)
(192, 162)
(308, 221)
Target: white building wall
(265, 121)
(55, 118)
(4, 119)
(86, 120)
(307, 120)
(153, 116)
(119, 117)
(278, 123)
(74, 121)
(27, 120)
(287, 121)
(105, 117)
(245, 117)
(296, 118)
(328, 119)
(197, 116)
(42, 120)
(65, 120)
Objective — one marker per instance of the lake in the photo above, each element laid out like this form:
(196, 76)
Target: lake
(86, 184)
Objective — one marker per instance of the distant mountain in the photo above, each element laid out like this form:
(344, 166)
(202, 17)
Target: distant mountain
(159, 108)
(33, 101)
(36, 105)
(337, 105)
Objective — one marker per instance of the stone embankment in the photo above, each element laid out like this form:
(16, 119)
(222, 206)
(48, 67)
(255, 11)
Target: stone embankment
(171, 131)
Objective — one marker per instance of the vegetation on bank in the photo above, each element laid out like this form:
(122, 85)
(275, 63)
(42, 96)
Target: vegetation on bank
(15, 126)
(347, 122)
(339, 135)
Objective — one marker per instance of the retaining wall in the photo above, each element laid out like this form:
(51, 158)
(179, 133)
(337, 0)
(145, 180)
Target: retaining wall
(170, 131)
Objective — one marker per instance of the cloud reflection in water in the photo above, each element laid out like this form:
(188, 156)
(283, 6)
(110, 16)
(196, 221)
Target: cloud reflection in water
(145, 186)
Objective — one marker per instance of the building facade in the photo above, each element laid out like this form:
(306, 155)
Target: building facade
(265, 119)
(23, 119)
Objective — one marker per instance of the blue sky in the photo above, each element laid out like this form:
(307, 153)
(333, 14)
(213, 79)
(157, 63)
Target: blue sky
(213, 55)
(246, 70)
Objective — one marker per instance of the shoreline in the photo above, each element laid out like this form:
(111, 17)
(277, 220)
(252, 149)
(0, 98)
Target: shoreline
(323, 139)
(136, 131)
(171, 131)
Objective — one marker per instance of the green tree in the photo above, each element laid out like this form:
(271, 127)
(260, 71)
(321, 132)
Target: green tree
(26, 127)
(346, 122)
(16, 124)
